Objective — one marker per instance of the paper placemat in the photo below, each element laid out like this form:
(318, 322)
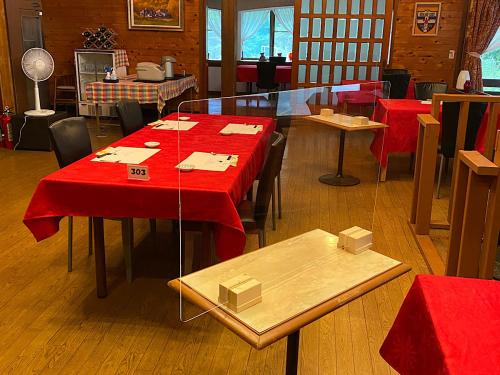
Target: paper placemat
(241, 129)
(173, 125)
(207, 161)
(125, 155)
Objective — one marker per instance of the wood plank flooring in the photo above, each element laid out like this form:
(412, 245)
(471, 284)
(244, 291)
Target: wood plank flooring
(52, 322)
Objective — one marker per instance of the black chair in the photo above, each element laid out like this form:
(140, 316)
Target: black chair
(425, 90)
(253, 215)
(449, 127)
(71, 141)
(130, 114)
(399, 80)
(266, 73)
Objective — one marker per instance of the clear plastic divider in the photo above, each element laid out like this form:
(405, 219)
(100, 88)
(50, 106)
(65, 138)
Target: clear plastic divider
(261, 169)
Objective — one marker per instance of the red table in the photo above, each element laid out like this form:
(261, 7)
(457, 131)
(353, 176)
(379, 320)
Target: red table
(446, 325)
(402, 133)
(481, 134)
(248, 73)
(87, 188)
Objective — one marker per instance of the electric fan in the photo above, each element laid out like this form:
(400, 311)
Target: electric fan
(38, 66)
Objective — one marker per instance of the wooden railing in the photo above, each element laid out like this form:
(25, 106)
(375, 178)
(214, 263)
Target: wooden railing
(473, 239)
(425, 170)
(425, 167)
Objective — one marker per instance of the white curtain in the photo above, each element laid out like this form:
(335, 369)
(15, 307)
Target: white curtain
(495, 43)
(214, 20)
(284, 15)
(251, 22)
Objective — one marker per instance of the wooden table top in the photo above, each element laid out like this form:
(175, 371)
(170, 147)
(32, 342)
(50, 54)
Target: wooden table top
(303, 278)
(345, 122)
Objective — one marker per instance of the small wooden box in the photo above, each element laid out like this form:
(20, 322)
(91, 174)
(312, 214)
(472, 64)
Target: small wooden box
(359, 241)
(360, 120)
(344, 234)
(225, 286)
(245, 295)
(326, 112)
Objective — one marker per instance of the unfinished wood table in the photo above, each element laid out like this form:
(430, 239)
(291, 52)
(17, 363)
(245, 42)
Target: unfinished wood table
(303, 279)
(345, 124)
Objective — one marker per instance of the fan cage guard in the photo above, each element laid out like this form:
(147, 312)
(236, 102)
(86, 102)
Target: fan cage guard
(29, 61)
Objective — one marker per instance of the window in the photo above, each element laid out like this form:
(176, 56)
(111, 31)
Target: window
(214, 40)
(268, 31)
(283, 38)
(490, 61)
(255, 33)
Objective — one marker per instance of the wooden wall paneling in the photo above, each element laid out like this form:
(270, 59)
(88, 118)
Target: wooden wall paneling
(427, 57)
(64, 20)
(6, 84)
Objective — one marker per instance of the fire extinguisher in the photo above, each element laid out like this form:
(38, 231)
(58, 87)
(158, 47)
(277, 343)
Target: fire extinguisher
(6, 129)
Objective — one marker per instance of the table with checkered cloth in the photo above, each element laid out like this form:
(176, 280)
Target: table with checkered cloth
(121, 58)
(143, 92)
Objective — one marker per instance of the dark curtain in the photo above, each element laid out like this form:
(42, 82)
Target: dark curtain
(483, 21)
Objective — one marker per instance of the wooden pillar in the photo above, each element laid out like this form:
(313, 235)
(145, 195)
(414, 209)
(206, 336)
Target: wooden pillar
(228, 74)
(6, 84)
(425, 169)
(474, 199)
(492, 225)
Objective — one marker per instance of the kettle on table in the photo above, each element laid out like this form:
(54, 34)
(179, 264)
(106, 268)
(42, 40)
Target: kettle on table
(168, 64)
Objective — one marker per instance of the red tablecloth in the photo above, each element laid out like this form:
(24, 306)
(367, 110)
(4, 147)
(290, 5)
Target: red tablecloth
(481, 134)
(402, 133)
(448, 326)
(87, 188)
(369, 92)
(248, 73)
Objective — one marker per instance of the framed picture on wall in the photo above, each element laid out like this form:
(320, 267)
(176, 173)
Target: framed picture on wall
(156, 15)
(426, 19)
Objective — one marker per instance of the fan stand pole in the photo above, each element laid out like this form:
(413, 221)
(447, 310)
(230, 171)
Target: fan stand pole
(37, 97)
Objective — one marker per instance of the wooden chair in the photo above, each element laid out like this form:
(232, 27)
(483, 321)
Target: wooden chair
(254, 215)
(65, 91)
(71, 141)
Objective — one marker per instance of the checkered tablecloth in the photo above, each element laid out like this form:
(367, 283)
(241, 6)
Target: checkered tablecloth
(121, 58)
(127, 89)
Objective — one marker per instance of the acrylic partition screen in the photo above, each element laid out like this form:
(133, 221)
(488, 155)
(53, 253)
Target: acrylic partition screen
(256, 170)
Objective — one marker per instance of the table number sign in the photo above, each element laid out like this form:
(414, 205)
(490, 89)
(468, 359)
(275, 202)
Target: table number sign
(138, 172)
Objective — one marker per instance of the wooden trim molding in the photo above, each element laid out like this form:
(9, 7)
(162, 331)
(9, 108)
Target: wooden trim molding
(6, 83)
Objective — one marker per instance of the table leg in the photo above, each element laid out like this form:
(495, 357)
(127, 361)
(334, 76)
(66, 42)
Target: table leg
(292, 353)
(100, 257)
(100, 130)
(339, 179)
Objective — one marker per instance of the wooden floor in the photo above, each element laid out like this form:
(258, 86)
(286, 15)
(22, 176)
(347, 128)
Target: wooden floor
(52, 322)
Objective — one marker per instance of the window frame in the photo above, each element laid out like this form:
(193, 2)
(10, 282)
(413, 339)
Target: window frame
(272, 32)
